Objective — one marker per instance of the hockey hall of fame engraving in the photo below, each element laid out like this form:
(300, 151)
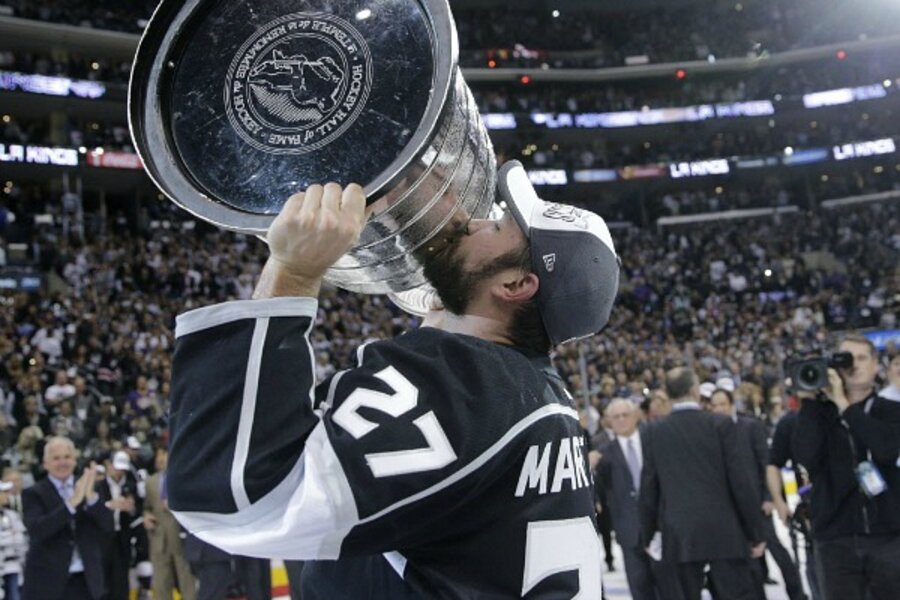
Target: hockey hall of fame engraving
(298, 83)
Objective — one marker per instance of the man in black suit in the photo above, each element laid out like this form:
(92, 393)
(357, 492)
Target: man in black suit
(699, 491)
(120, 484)
(210, 565)
(619, 476)
(68, 527)
(752, 434)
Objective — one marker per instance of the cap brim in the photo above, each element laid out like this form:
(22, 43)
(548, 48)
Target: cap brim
(517, 192)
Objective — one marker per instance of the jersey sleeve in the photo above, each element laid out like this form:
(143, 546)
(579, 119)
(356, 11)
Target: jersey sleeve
(264, 464)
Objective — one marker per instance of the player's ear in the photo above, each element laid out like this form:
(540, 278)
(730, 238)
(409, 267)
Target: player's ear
(516, 287)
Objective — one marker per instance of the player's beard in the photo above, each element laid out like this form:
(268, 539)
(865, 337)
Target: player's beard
(455, 286)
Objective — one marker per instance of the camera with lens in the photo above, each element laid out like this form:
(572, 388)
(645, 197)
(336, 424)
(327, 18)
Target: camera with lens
(811, 374)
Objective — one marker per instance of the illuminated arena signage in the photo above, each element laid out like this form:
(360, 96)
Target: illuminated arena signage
(499, 120)
(51, 86)
(843, 96)
(548, 177)
(862, 149)
(38, 155)
(699, 168)
(115, 160)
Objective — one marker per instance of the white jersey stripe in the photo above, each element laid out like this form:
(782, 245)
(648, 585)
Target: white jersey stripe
(248, 407)
(483, 458)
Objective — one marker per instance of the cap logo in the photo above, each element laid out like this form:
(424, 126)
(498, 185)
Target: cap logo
(549, 262)
(567, 214)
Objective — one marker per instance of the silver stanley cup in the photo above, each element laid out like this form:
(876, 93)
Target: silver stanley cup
(236, 105)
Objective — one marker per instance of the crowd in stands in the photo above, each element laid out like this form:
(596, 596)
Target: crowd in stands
(535, 36)
(731, 296)
(99, 14)
(755, 139)
(772, 192)
(73, 66)
(75, 133)
(596, 38)
(782, 84)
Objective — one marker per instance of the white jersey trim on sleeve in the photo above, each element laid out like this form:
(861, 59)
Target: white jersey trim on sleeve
(226, 312)
(307, 516)
(248, 408)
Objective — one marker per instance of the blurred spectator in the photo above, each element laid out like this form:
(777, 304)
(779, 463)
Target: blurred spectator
(170, 568)
(659, 406)
(118, 489)
(14, 495)
(892, 391)
(13, 542)
(66, 423)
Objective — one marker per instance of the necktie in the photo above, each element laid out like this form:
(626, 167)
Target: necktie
(68, 490)
(634, 464)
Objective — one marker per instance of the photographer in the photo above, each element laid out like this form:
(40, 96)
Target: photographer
(849, 440)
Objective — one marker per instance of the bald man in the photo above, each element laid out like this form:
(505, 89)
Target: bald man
(68, 527)
(619, 478)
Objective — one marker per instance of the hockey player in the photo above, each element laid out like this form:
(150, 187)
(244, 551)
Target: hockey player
(449, 463)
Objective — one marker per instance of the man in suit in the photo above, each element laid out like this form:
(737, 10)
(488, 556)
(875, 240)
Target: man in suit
(752, 434)
(210, 565)
(619, 476)
(68, 527)
(119, 483)
(170, 568)
(699, 490)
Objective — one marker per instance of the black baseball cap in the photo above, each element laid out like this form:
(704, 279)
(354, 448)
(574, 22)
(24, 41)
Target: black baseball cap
(572, 253)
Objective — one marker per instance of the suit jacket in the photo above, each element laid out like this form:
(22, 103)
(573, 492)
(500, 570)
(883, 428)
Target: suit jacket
(129, 488)
(54, 533)
(165, 539)
(621, 494)
(708, 486)
(752, 433)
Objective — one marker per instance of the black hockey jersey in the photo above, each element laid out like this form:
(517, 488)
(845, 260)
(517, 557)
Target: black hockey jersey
(459, 460)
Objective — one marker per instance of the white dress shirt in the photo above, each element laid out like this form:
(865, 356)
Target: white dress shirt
(623, 443)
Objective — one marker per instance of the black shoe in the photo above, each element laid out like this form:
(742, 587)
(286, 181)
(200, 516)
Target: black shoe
(770, 581)
(610, 567)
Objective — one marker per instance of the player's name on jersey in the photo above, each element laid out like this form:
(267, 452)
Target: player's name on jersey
(568, 470)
